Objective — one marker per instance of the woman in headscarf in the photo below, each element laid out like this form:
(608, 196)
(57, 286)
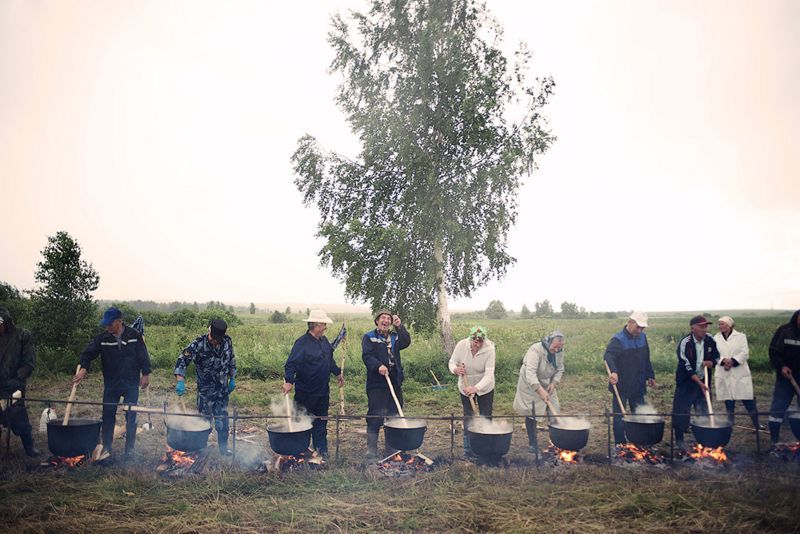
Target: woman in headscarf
(539, 376)
(473, 362)
(732, 380)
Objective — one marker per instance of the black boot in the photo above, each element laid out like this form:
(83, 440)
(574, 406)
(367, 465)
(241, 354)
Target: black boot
(372, 445)
(530, 428)
(27, 444)
(774, 432)
(223, 447)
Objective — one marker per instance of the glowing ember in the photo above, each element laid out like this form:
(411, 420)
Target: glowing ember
(402, 464)
(178, 458)
(568, 456)
(283, 464)
(561, 456)
(633, 454)
(68, 462)
(718, 455)
(177, 463)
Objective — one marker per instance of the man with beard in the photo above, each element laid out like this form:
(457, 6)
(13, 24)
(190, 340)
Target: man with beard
(17, 360)
(784, 355)
(307, 370)
(215, 365)
(126, 368)
(380, 350)
(628, 358)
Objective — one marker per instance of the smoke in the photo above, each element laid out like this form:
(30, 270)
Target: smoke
(572, 423)
(718, 421)
(400, 422)
(189, 422)
(645, 413)
(279, 407)
(482, 425)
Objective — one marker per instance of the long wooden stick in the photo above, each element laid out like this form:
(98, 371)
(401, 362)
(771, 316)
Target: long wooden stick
(396, 402)
(72, 394)
(341, 388)
(289, 412)
(552, 410)
(616, 391)
(708, 397)
(795, 386)
(472, 402)
(434, 377)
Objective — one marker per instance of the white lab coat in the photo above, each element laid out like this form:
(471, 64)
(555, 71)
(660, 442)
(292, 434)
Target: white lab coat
(736, 384)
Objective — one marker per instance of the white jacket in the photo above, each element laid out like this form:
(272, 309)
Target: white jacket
(736, 384)
(480, 368)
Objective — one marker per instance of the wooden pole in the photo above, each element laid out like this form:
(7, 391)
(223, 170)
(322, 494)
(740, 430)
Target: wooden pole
(472, 402)
(616, 391)
(72, 394)
(289, 412)
(396, 402)
(708, 397)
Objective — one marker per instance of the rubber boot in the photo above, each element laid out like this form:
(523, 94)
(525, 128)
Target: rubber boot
(223, 447)
(372, 445)
(27, 444)
(731, 417)
(754, 419)
(774, 432)
(530, 428)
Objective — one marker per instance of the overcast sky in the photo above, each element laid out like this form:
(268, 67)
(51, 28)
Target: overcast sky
(158, 134)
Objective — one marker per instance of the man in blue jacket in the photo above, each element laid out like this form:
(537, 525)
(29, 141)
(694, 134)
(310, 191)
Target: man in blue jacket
(628, 358)
(126, 368)
(784, 355)
(380, 350)
(695, 351)
(308, 370)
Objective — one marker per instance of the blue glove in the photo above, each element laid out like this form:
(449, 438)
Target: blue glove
(231, 385)
(180, 387)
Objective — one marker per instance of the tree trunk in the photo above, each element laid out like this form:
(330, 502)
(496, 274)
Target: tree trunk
(442, 312)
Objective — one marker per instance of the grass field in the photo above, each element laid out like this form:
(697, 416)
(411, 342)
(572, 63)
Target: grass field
(756, 493)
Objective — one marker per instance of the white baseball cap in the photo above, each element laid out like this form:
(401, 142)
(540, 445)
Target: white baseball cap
(318, 316)
(640, 318)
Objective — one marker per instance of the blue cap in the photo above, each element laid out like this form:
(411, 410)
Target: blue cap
(110, 315)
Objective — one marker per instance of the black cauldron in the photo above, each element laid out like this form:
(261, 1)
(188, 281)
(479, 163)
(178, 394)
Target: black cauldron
(712, 436)
(187, 440)
(79, 437)
(288, 443)
(568, 438)
(794, 422)
(490, 445)
(404, 434)
(644, 431)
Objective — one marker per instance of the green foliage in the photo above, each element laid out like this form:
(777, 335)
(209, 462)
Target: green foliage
(64, 314)
(252, 308)
(524, 313)
(544, 309)
(496, 310)
(432, 194)
(278, 317)
(15, 302)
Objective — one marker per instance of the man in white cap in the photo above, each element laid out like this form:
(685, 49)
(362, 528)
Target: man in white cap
(307, 371)
(628, 358)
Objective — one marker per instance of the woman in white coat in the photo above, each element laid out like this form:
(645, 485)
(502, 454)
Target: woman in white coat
(473, 362)
(732, 379)
(539, 376)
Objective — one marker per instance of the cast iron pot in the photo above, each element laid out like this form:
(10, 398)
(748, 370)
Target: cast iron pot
(643, 432)
(404, 434)
(79, 437)
(713, 436)
(288, 443)
(569, 439)
(187, 440)
(489, 445)
(794, 422)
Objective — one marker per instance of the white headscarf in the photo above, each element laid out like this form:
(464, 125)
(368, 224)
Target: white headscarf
(727, 320)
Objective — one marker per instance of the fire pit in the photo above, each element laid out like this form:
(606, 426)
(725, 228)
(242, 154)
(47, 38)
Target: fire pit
(403, 465)
(288, 463)
(629, 454)
(553, 455)
(62, 462)
(176, 463)
(706, 457)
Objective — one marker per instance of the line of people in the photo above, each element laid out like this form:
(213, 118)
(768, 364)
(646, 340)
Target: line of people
(126, 369)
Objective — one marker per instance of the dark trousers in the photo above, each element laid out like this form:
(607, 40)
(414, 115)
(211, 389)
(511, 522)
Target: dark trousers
(380, 402)
(316, 405)
(16, 417)
(130, 395)
(484, 402)
(782, 397)
(749, 405)
(216, 406)
(619, 426)
(687, 395)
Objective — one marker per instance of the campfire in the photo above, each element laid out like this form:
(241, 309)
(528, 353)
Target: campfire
(71, 462)
(286, 464)
(556, 456)
(176, 463)
(707, 457)
(788, 452)
(630, 454)
(402, 464)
